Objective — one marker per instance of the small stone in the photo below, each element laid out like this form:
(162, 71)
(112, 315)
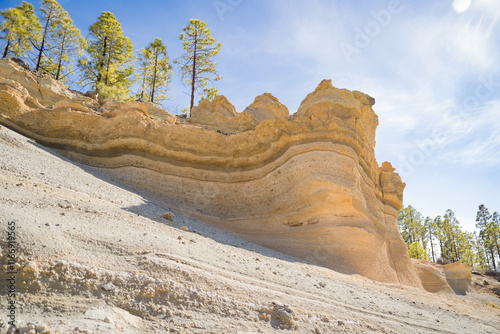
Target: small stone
(30, 267)
(108, 320)
(184, 228)
(168, 216)
(179, 237)
(108, 287)
(65, 205)
(40, 328)
(322, 284)
(340, 323)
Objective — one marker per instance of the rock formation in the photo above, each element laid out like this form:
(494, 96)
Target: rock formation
(307, 185)
(454, 277)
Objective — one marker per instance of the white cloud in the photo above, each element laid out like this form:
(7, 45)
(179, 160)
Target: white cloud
(420, 67)
(480, 144)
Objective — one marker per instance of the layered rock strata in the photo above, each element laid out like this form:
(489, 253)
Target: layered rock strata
(454, 277)
(307, 185)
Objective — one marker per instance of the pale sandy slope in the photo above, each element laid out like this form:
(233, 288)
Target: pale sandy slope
(97, 258)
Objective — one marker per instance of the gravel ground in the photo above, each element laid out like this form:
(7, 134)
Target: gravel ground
(93, 256)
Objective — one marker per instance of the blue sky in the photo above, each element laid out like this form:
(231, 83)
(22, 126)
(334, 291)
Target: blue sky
(433, 67)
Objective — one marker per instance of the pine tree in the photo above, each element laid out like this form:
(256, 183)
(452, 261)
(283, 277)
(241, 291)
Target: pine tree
(451, 228)
(495, 231)
(488, 232)
(480, 252)
(155, 72)
(68, 44)
(209, 93)
(108, 67)
(411, 227)
(60, 41)
(52, 12)
(20, 28)
(469, 250)
(197, 67)
(161, 74)
(417, 251)
(144, 63)
(431, 230)
(438, 223)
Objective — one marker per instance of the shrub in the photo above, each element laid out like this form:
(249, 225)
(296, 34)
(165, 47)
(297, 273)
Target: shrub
(443, 261)
(492, 304)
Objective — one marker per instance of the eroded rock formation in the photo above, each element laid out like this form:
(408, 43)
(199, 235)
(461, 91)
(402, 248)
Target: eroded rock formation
(454, 277)
(307, 185)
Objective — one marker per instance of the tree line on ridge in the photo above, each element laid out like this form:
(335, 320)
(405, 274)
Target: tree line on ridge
(442, 239)
(105, 60)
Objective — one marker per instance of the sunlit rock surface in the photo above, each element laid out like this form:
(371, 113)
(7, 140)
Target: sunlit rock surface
(454, 277)
(307, 185)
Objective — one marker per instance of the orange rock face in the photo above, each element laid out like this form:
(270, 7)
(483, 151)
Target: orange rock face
(307, 185)
(454, 277)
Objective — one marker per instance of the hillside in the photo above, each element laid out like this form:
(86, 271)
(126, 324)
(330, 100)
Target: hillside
(95, 257)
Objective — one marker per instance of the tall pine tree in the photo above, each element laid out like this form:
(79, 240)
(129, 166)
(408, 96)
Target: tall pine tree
(488, 232)
(52, 13)
(68, 44)
(161, 71)
(61, 41)
(197, 66)
(108, 66)
(155, 72)
(20, 29)
(144, 69)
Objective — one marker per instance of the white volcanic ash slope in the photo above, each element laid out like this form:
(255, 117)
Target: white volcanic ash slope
(94, 257)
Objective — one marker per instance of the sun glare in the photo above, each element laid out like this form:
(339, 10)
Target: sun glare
(461, 6)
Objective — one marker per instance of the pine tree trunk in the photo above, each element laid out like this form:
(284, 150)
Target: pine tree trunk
(493, 259)
(496, 241)
(109, 62)
(194, 73)
(40, 53)
(61, 52)
(154, 78)
(454, 247)
(6, 50)
(103, 58)
(432, 249)
(143, 84)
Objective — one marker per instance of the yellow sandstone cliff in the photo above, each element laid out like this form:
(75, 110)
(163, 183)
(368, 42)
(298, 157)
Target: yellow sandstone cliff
(307, 185)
